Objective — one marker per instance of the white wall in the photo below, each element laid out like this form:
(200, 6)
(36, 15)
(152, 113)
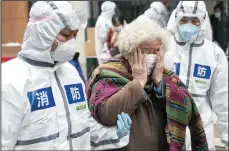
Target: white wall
(80, 40)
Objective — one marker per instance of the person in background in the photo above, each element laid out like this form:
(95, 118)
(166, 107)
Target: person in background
(102, 28)
(217, 25)
(44, 105)
(206, 26)
(138, 84)
(203, 67)
(158, 12)
(118, 23)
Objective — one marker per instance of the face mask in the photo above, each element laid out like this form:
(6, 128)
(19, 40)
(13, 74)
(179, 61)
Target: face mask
(218, 15)
(188, 31)
(118, 29)
(151, 62)
(65, 51)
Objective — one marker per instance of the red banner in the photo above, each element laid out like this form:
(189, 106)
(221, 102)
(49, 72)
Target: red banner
(4, 59)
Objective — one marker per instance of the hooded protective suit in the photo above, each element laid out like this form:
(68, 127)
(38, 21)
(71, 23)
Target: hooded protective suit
(158, 12)
(203, 67)
(206, 27)
(102, 28)
(44, 103)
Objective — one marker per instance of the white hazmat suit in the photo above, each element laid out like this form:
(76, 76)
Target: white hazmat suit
(203, 67)
(44, 105)
(158, 12)
(102, 28)
(206, 27)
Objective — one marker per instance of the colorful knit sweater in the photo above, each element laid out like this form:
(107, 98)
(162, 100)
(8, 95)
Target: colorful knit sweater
(180, 108)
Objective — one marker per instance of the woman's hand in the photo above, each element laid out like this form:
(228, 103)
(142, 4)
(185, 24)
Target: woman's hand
(158, 70)
(123, 124)
(137, 62)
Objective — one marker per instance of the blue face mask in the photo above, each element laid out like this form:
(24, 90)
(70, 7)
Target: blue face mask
(187, 31)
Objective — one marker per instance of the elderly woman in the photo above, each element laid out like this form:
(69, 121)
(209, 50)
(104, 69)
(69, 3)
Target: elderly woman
(138, 84)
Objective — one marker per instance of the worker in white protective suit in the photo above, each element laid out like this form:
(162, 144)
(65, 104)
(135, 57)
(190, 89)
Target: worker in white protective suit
(44, 105)
(102, 28)
(206, 26)
(158, 12)
(203, 67)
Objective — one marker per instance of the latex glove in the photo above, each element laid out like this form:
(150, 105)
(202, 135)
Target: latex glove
(124, 122)
(158, 89)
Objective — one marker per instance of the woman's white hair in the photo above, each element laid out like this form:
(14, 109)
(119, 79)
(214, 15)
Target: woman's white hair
(140, 31)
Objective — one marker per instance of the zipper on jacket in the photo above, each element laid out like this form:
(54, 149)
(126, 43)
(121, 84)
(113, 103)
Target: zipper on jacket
(189, 66)
(66, 110)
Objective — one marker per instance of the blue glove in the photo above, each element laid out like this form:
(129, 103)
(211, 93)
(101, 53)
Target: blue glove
(159, 89)
(124, 122)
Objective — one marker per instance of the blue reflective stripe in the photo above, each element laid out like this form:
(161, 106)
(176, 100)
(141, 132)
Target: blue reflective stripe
(76, 64)
(177, 68)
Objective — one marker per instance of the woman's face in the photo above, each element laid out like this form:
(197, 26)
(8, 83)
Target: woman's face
(150, 48)
(118, 27)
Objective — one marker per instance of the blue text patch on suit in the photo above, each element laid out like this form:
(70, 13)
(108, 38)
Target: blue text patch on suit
(202, 71)
(74, 93)
(41, 99)
(177, 68)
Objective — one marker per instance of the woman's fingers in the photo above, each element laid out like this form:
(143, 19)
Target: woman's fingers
(139, 56)
(129, 121)
(131, 59)
(144, 61)
(121, 120)
(158, 59)
(162, 53)
(138, 66)
(124, 117)
(161, 48)
(135, 57)
(119, 126)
